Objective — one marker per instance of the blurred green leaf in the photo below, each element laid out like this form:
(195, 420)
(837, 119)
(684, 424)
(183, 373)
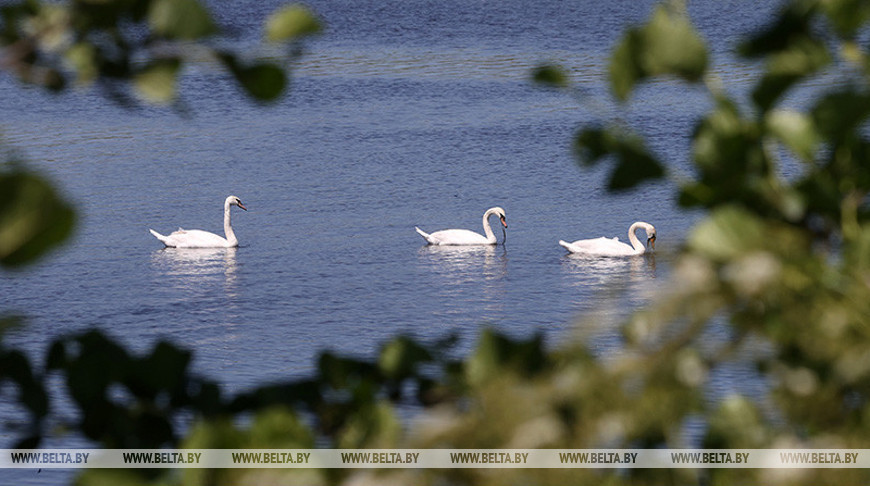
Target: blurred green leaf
(157, 82)
(164, 369)
(847, 15)
(633, 162)
(497, 354)
(796, 131)
(180, 19)
(727, 233)
(736, 423)
(279, 427)
(839, 114)
(401, 357)
(291, 22)
(82, 57)
(550, 75)
(33, 218)
(667, 45)
(788, 67)
(792, 24)
(263, 81)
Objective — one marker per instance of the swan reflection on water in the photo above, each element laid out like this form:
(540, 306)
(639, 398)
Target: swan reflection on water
(187, 267)
(604, 292)
(462, 262)
(605, 269)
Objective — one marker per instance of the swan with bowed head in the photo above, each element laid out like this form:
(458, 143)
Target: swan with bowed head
(466, 237)
(203, 239)
(612, 246)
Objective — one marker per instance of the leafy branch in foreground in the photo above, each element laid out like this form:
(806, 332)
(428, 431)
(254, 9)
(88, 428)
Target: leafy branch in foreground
(777, 276)
(137, 46)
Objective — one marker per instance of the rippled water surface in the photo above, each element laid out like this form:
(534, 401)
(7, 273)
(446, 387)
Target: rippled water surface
(402, 114)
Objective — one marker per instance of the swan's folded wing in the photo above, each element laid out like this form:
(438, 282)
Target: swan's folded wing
(457, 237)
(600, 246)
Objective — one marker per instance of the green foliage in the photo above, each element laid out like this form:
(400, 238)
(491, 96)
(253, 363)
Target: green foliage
(777, 275)
(290, 23)
(105, 42)
(551, 75)
(634, 163)
(33, 218)
(666, 45)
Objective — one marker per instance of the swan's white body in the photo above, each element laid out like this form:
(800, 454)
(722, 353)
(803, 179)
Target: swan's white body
(203, 239)
(612, 246)
(466, 237)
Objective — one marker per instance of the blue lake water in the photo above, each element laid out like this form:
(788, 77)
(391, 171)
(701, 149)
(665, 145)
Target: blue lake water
(403, 113)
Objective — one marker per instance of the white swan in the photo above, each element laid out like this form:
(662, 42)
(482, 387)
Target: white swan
(203, 239)
(466, 237)
(612, 246)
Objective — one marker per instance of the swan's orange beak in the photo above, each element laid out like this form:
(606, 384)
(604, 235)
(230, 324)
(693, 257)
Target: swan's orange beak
(651, 242)
(503, 222)
(242, 206)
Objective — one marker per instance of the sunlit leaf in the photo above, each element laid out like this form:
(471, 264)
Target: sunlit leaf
(180, 19)
(83, 59)
(672, 46)
(291, 22)
(667, 45)
(728, 232)
(796, 131)
(157, 83)
(280, 427)
(33, 218)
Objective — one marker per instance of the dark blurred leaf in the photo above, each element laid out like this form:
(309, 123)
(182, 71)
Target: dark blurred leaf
(93, 362)
(497, 354)
(785, 68)
(14, 366)
(180, 19)
(793, 24)
(626, 64)
(291, 22)
(839, 114)
(164, 369)
(666, 45)
(847, 15)
(401, 357)
(33, 218)
(550, 75)
(633, 163)
(263, 81)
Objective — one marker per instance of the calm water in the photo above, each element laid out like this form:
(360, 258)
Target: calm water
(403, 113)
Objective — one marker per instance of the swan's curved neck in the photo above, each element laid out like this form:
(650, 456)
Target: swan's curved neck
(228, 228)
(487, 230)
(632, 238)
